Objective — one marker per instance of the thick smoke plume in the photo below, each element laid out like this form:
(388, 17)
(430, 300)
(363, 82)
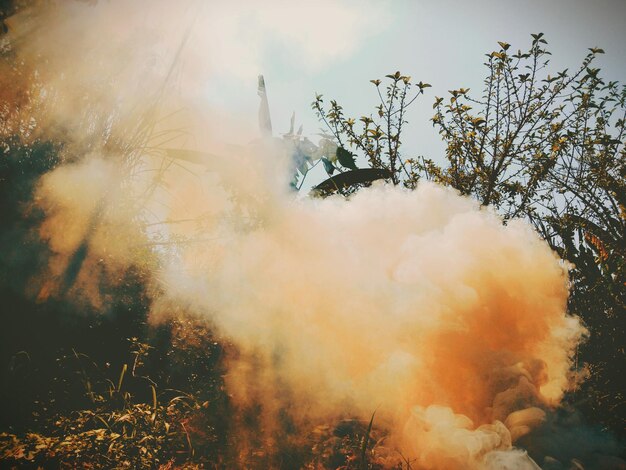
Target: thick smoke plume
(419, 306)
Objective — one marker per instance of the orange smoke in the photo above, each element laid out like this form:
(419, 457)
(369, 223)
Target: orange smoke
(416, 303)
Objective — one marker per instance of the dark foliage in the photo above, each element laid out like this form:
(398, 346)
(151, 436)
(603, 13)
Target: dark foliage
(546, 146)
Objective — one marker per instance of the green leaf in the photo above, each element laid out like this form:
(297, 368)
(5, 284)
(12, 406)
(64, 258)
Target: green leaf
(477, 121)
(350, 178)
(346, 158)
(328, 166)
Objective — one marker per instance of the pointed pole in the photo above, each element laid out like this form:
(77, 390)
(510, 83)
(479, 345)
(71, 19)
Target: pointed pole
(265, 122)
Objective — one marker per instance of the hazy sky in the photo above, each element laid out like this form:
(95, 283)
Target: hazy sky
(336, 47)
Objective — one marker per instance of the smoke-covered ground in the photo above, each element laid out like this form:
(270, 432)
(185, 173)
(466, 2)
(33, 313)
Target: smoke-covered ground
(417, 306)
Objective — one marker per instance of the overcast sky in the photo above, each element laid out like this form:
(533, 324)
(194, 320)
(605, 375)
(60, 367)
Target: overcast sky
(336, 47)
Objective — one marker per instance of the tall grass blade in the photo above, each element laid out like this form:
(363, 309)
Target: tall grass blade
(121, 379)
(366, 439)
